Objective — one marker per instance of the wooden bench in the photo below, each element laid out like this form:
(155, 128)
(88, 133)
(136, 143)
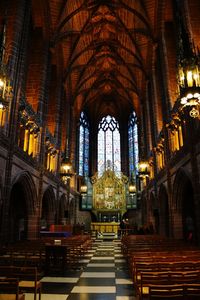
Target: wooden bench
(9, 289)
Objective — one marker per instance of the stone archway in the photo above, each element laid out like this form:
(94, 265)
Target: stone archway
(22, 208)
(164, 211)
(183, 205)
(48, 213)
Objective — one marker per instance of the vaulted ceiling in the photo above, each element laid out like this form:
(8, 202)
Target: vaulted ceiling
(106, 47)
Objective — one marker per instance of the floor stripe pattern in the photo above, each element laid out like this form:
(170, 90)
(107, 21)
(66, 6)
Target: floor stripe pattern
(101, 275)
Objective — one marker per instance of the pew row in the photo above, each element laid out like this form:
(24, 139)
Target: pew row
(27, 277)
(9, 289)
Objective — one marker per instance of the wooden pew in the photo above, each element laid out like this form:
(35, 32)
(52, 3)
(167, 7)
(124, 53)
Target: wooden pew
(173, 292)
(9, 289)
(32, 253)
(67, 253)
(26, 253)
(165, 278)
(156, 261)
(159, 292)
(27, 276)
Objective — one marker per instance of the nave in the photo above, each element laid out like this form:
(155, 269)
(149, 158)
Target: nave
(101, 274)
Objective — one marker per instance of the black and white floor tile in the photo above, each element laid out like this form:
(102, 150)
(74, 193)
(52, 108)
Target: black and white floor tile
(101, 275)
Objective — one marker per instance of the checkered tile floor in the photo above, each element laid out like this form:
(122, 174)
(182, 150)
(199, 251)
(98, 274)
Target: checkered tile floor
(101, 275)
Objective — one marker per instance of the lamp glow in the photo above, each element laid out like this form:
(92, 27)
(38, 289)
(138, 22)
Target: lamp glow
(143, 168)
(1, 83)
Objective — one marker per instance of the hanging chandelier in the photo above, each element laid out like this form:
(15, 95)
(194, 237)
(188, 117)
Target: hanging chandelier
(66, 170)
(143, 168)
(83, 187)
(188, 67)
(189, 84)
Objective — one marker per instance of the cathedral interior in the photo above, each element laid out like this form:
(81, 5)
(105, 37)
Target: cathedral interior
(99, 118)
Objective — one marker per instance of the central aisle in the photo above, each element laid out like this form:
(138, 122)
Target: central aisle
(103, 276)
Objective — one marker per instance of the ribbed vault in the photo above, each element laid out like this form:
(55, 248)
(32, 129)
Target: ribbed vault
(106, 48)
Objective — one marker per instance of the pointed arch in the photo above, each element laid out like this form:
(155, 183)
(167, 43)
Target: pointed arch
(25, 179)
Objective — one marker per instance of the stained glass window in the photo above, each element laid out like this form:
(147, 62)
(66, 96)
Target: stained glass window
(109, 154)
(83, 145)
(133, 145)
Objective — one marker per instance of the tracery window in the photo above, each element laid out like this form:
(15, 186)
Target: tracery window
(133, 145)
(109, 152)
(83, 145)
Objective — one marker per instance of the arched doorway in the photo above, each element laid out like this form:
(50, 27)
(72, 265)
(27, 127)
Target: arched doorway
(188, 211)
(164, 211)
(21, 207)
(18, 213)
(183, 199)
(48, 213)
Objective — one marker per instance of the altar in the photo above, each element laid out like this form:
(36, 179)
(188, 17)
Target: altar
(109, 200)
(105, 227)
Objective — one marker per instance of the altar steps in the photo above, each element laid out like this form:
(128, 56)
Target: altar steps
(107, 235)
